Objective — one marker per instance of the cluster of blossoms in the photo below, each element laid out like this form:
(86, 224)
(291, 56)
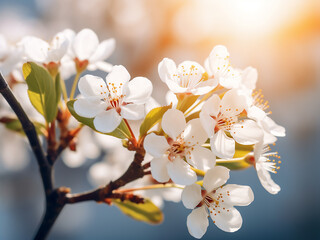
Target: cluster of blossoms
(214, 113)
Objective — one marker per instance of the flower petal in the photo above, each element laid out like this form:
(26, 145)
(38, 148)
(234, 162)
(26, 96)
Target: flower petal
(197, 222)
(88, 108)
(133, 111)
(173, 123)
(159, 169)
(227, 219)
(90, 86)
(236, 195)
(232, 103)
(138, 90)
(274, 128)
(180, 172)
(116, 80)
(85, 44)
(194, 134)
(103, 51)
(215, 178)
(266, 180)
(155, 145)
(166, 69)
(222, 145)
(35, 49)
(107, 121)
(247, 132)
(249, 77)
(256, 113)
(208, 123)
(201, 158)
(191, 196)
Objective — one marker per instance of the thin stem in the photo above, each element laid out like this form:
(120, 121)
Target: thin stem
(133, 138)
(74, 85)
(198, 171)
(64, 90)
(205, 97)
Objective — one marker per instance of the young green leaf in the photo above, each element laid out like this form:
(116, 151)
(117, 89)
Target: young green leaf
(186, 102)
(41, 90)
(14, 124)
(58, 88)
(121, 131)
(146, 212)
(152, 118)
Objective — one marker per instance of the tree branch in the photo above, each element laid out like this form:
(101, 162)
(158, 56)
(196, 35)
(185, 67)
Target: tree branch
(30, 131)
(134, 172)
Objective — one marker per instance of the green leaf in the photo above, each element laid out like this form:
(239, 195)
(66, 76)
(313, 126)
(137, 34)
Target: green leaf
(41, 90)
(242, 150)
(146, 212)
(58, 88)
(14, 124)
(121, 131)
(186, 102)
(152, 118)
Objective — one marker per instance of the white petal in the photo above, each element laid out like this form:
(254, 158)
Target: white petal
(205, 87)
(35, 48)
(256, 113)
(166, 69)
(212, 105)
(88, 108)
(58, 47)
(90, 86)
(231, 78)
(107, 121)
(173, 123)
(266, 180)
(232, 103)
(236, 195)
(191, 196)
(201, 158)
(222, 145)
(132, 111)
(194, 134)
(159, 169)
(208, 123)
(103, 51)
(180, 172)
(155, 145)
(103, 66)
(85, 44)
(274, 128)
(116, 80)
(171, 98)
(228, 219)
(197, 222)
(247, 132)
(250, 77)
(215, 178)
(218, 60)
(175, 87)
(138, 90)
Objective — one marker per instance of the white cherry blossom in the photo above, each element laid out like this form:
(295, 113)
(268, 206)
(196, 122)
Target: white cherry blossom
(183, 143)
(218, 67)
(87, 52)
(217, 200)
(188, 77)
(221, 116)
(40, 51)
(264, 164)
(109, 102)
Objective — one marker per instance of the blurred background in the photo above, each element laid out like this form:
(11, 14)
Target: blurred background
(281, 38)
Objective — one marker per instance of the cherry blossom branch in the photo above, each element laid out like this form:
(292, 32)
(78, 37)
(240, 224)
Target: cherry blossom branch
(134, 172)
(30, 131)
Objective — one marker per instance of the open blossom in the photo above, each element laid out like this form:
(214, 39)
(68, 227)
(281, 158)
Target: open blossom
(264, 164)
(219, 116)
(219, 68)
(109, 102)
(10, 58)
(40, 51)
(188, 77)
(217, 200)
(87, 52)
(184, 142)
